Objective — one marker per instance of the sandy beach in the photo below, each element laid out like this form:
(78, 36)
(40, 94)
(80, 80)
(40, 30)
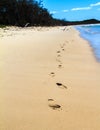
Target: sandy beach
(49, 80)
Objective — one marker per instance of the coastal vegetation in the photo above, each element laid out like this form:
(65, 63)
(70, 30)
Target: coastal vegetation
(22, 12)
(30, 13)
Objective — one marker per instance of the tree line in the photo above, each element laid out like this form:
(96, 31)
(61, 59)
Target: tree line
(25, 12)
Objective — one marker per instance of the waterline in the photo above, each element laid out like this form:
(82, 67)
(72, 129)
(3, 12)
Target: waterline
(92, 34)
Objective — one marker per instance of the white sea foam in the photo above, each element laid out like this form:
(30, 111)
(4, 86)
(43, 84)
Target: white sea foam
(92, 34)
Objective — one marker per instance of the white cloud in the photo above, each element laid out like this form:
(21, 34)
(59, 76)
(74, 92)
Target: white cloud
(65, 11)
(96, 4)
(83, 8)
(53, 12)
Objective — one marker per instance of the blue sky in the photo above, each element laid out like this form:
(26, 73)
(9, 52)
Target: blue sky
(73, 9)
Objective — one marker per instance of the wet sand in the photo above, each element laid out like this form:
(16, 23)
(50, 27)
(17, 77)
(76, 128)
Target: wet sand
(50, 80)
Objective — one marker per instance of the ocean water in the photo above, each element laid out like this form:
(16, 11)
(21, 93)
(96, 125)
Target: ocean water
(92, 34)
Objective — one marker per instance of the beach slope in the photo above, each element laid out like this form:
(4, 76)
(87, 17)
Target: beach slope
(50, 80)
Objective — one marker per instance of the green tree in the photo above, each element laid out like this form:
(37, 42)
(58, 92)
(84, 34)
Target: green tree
(21, 12)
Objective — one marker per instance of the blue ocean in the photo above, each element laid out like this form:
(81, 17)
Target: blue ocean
(92, 34)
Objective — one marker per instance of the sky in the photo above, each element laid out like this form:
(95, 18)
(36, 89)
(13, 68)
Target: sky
(73, 10)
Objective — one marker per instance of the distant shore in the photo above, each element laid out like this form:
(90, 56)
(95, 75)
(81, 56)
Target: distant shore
(49, 80)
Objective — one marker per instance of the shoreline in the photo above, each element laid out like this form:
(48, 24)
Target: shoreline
(93, 40)
(88, 42)
(50, 80)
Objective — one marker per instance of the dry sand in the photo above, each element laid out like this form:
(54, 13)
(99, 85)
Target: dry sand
(49, 80)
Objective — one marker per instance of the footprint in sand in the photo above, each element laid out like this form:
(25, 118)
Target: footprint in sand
(50, 99)
(58, 51)
(67, 42)
(64, 44)
(53, 105)
(72, 40)
(61, 46)
(59, 66)
(58, 55)
(58, 60)
(63, 49)
(52, 74)
(61, 85)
